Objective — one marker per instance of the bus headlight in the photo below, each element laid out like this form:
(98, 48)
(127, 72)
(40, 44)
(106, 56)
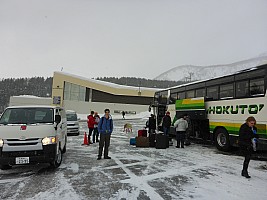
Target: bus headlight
(1, 142)
(49, 140)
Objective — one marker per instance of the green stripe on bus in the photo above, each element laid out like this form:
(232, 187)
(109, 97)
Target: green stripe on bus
(190, 104)
(234, 129)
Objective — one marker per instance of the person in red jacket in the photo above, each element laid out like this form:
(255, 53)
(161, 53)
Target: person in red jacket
(90, 123)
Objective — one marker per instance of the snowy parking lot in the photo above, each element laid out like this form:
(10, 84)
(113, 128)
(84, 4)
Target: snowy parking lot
(195, 172)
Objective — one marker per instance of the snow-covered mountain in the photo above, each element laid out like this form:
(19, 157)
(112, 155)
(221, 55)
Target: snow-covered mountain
(190, 72)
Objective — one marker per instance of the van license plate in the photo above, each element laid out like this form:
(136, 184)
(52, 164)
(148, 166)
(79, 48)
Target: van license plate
(22, 160)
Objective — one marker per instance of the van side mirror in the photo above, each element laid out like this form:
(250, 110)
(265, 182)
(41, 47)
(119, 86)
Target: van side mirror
(57, 119)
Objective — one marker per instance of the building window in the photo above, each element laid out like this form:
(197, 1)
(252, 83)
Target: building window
(241, 89)
(74, 92)
(227, 90)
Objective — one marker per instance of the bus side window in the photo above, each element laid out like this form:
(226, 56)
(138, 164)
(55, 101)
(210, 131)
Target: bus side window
(212, 92)
(227, 90)
(242, 89)
(257, 86)
(200, 92)
(181, 95)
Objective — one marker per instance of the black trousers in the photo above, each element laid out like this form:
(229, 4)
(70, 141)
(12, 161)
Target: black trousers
(180, 137)
(246, 151)
(104, 143)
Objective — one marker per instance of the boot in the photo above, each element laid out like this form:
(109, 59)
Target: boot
(245, 174)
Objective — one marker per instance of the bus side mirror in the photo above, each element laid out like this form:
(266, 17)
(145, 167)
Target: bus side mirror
(57, 119)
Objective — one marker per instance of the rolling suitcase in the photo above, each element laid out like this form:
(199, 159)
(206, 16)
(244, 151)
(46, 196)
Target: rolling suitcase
(142, 133)
(162, 141)
(142, 141)
(152, 140)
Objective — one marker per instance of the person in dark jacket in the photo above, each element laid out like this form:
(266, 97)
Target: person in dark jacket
(105, 128)
(151, 124)
(166, 123)
(246, 134)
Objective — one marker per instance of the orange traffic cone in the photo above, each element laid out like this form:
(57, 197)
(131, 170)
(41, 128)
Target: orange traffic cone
(85, 139)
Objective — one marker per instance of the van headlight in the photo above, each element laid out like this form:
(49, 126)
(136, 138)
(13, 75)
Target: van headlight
(49, 140)
(1, 142)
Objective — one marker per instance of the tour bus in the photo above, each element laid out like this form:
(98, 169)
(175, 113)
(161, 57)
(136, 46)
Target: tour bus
(219, 106)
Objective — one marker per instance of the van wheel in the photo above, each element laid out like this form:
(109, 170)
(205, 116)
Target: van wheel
(5, 167)
(56, 163)
(222, 139)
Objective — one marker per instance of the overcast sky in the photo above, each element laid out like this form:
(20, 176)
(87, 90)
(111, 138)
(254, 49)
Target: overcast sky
(137, 38)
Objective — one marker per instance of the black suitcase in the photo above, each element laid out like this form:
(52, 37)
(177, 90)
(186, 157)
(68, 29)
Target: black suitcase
(152, 140)
(162, 141)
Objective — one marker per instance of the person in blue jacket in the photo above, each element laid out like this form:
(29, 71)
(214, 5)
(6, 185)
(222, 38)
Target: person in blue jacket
(105, 128)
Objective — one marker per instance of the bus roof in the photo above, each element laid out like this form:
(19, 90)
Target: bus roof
(200, 81)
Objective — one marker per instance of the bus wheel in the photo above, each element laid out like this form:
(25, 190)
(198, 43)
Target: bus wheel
(222, 139)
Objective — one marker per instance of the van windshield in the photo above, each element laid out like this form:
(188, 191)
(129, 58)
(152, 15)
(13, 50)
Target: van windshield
(27, 116)
(71, 117)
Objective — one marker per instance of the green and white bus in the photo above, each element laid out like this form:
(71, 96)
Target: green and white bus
(219, 106)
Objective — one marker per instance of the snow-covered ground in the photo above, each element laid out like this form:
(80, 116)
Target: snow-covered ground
(195, 172)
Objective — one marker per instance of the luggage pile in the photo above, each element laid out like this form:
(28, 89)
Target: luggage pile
(159, 140)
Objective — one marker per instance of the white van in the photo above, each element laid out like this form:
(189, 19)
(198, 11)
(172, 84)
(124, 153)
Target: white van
(73, 127)
(32, 134)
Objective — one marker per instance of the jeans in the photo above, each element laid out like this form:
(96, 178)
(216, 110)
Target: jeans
(166, 130)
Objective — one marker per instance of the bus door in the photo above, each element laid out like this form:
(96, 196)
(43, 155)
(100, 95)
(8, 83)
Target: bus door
(197, 121)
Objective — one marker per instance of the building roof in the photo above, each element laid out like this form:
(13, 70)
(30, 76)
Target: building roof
(104, 86)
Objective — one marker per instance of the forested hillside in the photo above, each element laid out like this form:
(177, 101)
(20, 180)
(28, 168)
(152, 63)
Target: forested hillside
(42, 87)
(142, 82)
(37, 86)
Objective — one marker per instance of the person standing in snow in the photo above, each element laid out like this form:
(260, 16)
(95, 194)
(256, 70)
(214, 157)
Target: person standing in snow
(151, 124)
(247, 132)
(166, 123)
(181, 125)
(105, 128)
(90, 123)
(96, 134)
